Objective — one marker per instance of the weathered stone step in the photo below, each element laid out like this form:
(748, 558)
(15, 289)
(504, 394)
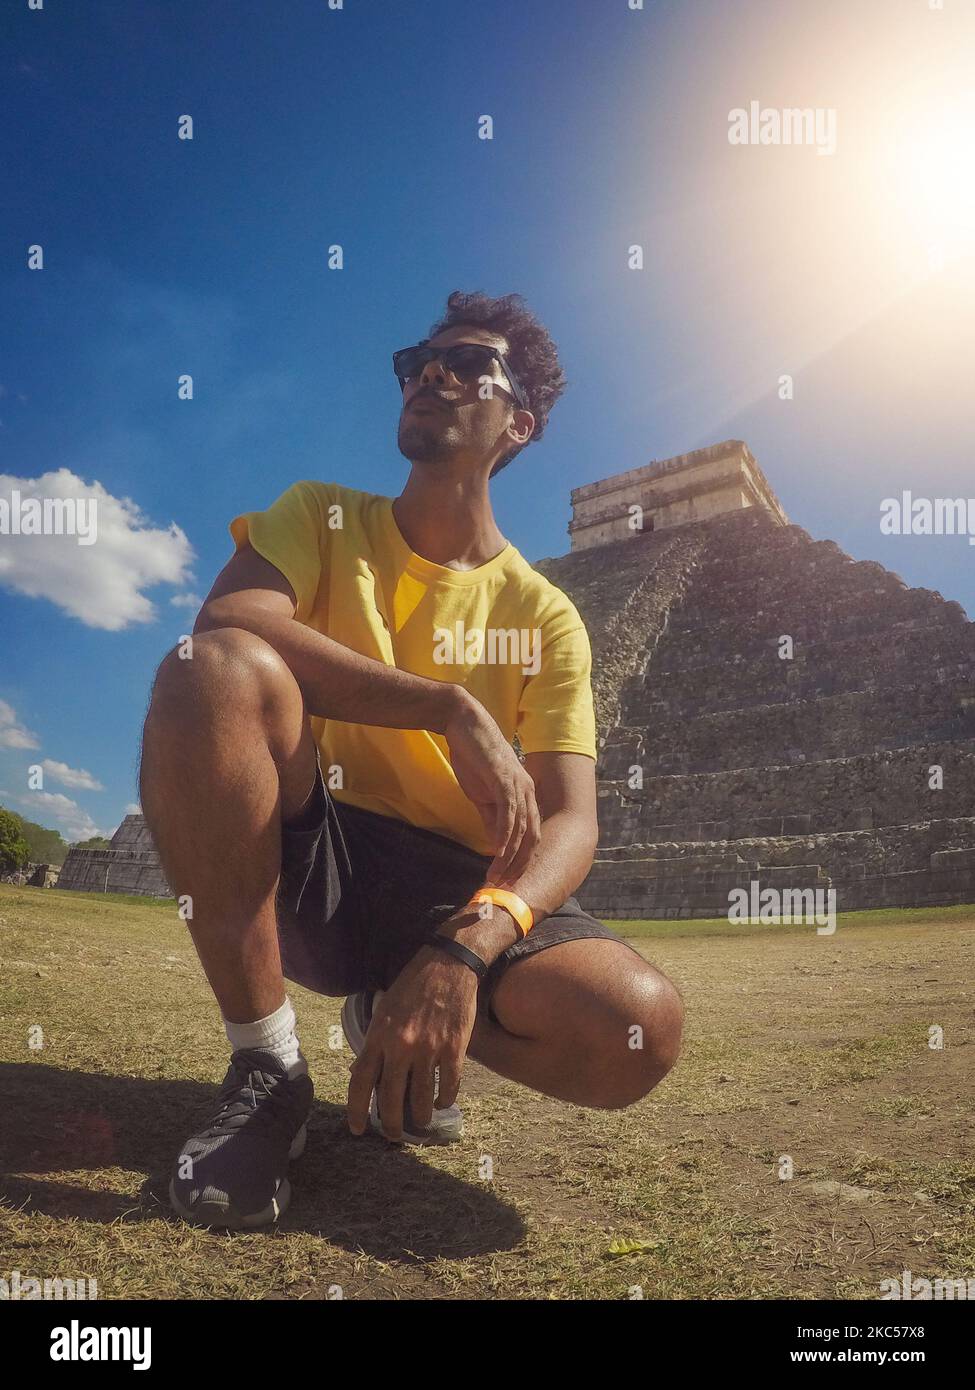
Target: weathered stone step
(770, 560)
(874, 789)
(897, 866)
(908, 846)
(689, 898)
(114, 871)
(869, 662)
(838, 726)
(796, 608)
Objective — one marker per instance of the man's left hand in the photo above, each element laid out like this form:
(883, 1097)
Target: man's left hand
(423, 1021)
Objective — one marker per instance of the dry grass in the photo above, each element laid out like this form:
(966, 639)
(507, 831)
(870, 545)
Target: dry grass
(815, 1048)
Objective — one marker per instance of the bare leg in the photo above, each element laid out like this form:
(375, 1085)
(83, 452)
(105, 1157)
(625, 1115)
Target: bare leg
(585, 1022)
(227, 753)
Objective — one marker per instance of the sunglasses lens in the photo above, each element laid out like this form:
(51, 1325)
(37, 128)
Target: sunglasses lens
(410, 362)
(469, 360)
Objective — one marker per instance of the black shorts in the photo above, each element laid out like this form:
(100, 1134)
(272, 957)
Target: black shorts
(360, 892)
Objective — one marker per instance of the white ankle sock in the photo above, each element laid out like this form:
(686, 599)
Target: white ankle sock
(275, 1034)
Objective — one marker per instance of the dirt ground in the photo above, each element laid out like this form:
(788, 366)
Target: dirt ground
(810, 1142)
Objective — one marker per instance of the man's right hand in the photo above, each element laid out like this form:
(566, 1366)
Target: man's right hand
(490, 774)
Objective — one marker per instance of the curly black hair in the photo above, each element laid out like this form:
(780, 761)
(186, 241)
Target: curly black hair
(531, 351)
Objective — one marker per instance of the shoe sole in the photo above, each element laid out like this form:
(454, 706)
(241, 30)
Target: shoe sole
(351, 1027)
(222, 1214)
(356, 1039)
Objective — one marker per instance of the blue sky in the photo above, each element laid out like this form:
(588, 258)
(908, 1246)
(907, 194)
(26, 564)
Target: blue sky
(851, 272)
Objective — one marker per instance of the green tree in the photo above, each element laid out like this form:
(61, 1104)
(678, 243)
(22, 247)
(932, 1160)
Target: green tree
(45, 846)
(96, 842)
(14, 849)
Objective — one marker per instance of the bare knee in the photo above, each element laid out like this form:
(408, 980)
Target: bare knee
(646, 1048)
(225, 668)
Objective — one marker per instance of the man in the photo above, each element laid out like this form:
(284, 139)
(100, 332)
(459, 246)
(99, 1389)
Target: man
(399, 645)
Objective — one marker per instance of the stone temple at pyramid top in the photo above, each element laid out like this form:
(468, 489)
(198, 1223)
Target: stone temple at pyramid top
(671, 492)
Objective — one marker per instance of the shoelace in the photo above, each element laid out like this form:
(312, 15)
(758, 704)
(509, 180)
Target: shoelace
(240, 1098)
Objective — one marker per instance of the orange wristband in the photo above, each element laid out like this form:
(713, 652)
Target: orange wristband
(518, 908)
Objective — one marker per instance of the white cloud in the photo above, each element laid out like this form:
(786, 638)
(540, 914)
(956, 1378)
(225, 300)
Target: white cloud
(100, 584)
(133, 809)
(73, 822)
(71, 776)
(12, 732)
(187, 601)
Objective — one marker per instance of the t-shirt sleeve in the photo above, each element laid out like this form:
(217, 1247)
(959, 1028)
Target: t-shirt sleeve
(289, 536)
(555, 712)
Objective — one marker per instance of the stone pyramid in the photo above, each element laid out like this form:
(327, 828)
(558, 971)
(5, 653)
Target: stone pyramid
(720, 762)
(130, 866)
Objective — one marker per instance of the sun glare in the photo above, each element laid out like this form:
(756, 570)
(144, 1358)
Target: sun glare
(934, 165)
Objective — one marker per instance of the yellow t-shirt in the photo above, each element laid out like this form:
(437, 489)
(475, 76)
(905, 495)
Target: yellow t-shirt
(502, 630)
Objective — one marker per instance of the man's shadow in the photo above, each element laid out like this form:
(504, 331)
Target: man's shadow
(361, 1194)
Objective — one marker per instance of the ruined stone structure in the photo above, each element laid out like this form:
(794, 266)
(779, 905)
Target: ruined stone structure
(721, 762)
(32, 876)
(44, 876)
(670, 492)
(130, 866)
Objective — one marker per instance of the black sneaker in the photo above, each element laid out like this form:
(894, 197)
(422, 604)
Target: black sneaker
(233, 1172)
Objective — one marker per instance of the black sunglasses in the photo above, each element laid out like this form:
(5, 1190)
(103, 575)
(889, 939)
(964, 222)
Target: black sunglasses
(467, 361)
